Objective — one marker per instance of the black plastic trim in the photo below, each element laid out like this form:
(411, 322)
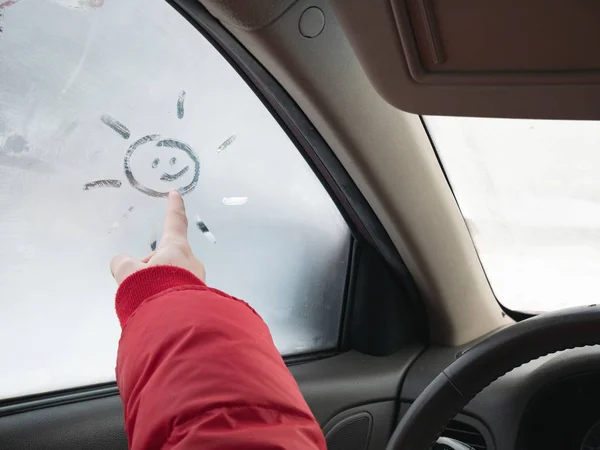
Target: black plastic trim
(479, 425)
(517, 316)
(56, 398)
(345, 338)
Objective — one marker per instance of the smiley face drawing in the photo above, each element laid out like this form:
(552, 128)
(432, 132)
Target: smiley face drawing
(152, 170)
(154, 165)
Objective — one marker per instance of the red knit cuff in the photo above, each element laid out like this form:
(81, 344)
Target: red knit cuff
(145, 283)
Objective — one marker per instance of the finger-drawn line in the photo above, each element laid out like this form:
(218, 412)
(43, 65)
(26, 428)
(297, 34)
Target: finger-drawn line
(115, 125)
(154, 237)
(235, 201)
(230, 140)
(180, 101)
(102, 183)
(161, 143)
(169, 177)
(204, 229)
(172, 143)
(124, 217)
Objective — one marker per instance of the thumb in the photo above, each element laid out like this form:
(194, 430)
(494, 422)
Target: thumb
(121, 266)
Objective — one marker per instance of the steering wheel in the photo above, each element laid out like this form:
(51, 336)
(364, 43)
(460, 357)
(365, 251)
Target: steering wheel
(487, 361)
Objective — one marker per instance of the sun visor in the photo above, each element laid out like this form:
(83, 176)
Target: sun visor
(534, 58)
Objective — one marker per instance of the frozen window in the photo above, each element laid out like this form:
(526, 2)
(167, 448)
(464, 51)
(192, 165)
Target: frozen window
(529, 191)
(104, 106)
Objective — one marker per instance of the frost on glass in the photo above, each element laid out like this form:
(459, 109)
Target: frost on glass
(105, 106)
(530, 193)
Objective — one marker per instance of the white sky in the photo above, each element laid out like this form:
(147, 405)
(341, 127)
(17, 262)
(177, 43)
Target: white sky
(530, 192)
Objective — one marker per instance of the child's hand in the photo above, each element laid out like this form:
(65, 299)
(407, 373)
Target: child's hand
(173, 248)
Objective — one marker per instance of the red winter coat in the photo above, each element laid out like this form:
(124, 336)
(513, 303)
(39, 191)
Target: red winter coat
(197, 369)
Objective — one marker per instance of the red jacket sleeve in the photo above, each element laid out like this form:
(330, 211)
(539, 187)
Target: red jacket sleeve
(197, 369)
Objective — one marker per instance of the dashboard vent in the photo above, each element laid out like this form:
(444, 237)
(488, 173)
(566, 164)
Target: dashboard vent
(466, 434)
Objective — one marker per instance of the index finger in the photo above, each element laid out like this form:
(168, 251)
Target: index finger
(176, 223)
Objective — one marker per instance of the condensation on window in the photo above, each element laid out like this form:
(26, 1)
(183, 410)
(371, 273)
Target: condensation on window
(105, 106)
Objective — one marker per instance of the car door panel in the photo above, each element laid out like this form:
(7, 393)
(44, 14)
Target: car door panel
(336, 388)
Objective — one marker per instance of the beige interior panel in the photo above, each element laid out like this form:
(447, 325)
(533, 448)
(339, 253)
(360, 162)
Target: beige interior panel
(501, 39)
(530, 59)
(388, 154)
(247, 14)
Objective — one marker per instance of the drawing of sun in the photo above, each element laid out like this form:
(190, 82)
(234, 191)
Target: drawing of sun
(182, 171)
(155, 165)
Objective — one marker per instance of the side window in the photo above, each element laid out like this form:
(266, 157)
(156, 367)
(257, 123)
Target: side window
(105, 106)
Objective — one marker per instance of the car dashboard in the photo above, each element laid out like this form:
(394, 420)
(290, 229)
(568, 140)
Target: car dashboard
(552, 403)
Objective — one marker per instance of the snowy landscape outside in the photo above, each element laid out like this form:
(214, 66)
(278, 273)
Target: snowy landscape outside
(530, 194)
